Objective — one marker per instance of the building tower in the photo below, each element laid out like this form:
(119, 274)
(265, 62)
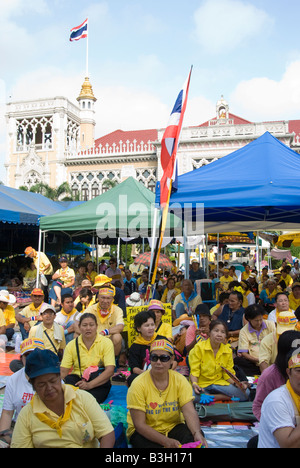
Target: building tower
(86, 100)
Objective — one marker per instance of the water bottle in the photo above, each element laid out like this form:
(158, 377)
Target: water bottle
(18, 342)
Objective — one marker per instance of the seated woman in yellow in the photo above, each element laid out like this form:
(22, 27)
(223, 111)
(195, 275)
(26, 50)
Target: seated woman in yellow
(63, 282)
(6, 301)
(160, 402)
(59, 416)
(294, 296)
(89, 351)
(207, 361)
(170, 292)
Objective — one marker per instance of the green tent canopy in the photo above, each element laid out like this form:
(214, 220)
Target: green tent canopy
(125, 211)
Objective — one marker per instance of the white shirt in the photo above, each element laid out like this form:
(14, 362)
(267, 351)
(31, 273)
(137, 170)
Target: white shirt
(18, 392)
(63, 319)
(277, 411)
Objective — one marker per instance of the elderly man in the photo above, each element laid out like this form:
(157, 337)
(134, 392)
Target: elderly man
(187, 301)
(109, 316)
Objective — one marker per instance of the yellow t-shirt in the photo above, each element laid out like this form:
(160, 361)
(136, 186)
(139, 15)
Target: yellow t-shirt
(248, 340)
(162, 409)
(87, 423)
(43, 262)
(100, 354)
(9, 314)
(268, 349)
(294, 303)
(65, 276)
(112, 319)
(2, 319)
(207, 367)
(31, 311)
(165, 329)
(225, 282)
(50, 332)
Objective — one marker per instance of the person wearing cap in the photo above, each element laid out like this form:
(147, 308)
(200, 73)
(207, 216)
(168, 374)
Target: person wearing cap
(160, 403)
(162, 328)
(196, 273)
(59, 415)
(250, 339)
(280, 414)
(294, 296)
(66, 317)
(87, 354)
(286, 321)
(6, 301)
(18, 390)
(30, 315)
(119, 297)
(281, 305)
(109, 316)
(45, 266)
(63, 281)
(49, 331)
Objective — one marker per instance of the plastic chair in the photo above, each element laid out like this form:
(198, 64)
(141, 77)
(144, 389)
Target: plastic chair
(206, 289)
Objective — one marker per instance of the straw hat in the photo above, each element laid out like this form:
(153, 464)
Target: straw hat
(6, 297)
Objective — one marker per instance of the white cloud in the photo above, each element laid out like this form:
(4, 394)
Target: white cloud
(264, 98)
(223, 25)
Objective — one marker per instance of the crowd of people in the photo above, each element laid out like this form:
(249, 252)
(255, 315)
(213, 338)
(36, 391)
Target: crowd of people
(227, 329)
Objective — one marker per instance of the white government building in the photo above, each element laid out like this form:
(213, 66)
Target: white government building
(53, 141)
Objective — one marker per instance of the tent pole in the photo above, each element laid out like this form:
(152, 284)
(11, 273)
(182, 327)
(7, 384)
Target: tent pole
(218, 246)
(38, 263)
(186, 253)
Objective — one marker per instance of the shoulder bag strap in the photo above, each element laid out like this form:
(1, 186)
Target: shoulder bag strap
(78, 355)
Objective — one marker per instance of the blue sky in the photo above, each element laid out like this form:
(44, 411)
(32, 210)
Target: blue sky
(140, 53)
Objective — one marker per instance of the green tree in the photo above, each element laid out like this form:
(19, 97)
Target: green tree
(62, 193)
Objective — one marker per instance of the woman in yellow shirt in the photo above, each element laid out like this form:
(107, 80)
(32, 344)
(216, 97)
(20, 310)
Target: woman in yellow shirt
(162, 328)
(207, 361)
(59, 416)
(92, 360)
(160, 402)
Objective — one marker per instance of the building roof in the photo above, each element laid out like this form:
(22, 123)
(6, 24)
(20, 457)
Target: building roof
(130, 136)
(236, 120)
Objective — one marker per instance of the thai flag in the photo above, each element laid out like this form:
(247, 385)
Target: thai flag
(170, 142)
(79, 32)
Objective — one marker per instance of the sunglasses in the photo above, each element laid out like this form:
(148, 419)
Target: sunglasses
(162, 358)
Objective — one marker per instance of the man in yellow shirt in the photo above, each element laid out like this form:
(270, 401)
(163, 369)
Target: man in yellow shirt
(30, 315)
(49, 331)
(109, 316)
(225, 280)
(45, 266)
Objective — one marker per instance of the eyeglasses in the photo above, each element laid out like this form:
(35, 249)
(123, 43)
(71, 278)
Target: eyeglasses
(162, 358)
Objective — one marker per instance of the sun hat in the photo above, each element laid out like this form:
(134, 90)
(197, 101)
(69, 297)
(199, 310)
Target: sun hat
(134, 300)
(47, 307)
(30, 344)
(100, 280)
(6, 297)
(162, 345)
(286, 321)
(37, 292)
(155, 304)
(41, 362)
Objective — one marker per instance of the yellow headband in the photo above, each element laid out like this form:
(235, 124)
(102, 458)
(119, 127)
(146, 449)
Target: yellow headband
(109, 291)
(294, 361)
(162, 345)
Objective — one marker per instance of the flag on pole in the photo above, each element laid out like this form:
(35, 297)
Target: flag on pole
(170, 142)
(79, 32)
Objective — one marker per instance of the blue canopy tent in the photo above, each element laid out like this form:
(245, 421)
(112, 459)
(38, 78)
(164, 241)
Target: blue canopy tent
(254, 188)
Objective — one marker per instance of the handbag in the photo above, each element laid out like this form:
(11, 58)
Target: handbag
(92, 372)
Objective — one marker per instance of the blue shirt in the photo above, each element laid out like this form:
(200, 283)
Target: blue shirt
(234, 321)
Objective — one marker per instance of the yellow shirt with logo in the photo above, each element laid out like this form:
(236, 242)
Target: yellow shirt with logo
(31, 311)
(87, 423)
(100, 354)
(162, 409)
(207, 367)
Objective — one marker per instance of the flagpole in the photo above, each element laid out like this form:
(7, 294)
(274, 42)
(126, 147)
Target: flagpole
(87, 53)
